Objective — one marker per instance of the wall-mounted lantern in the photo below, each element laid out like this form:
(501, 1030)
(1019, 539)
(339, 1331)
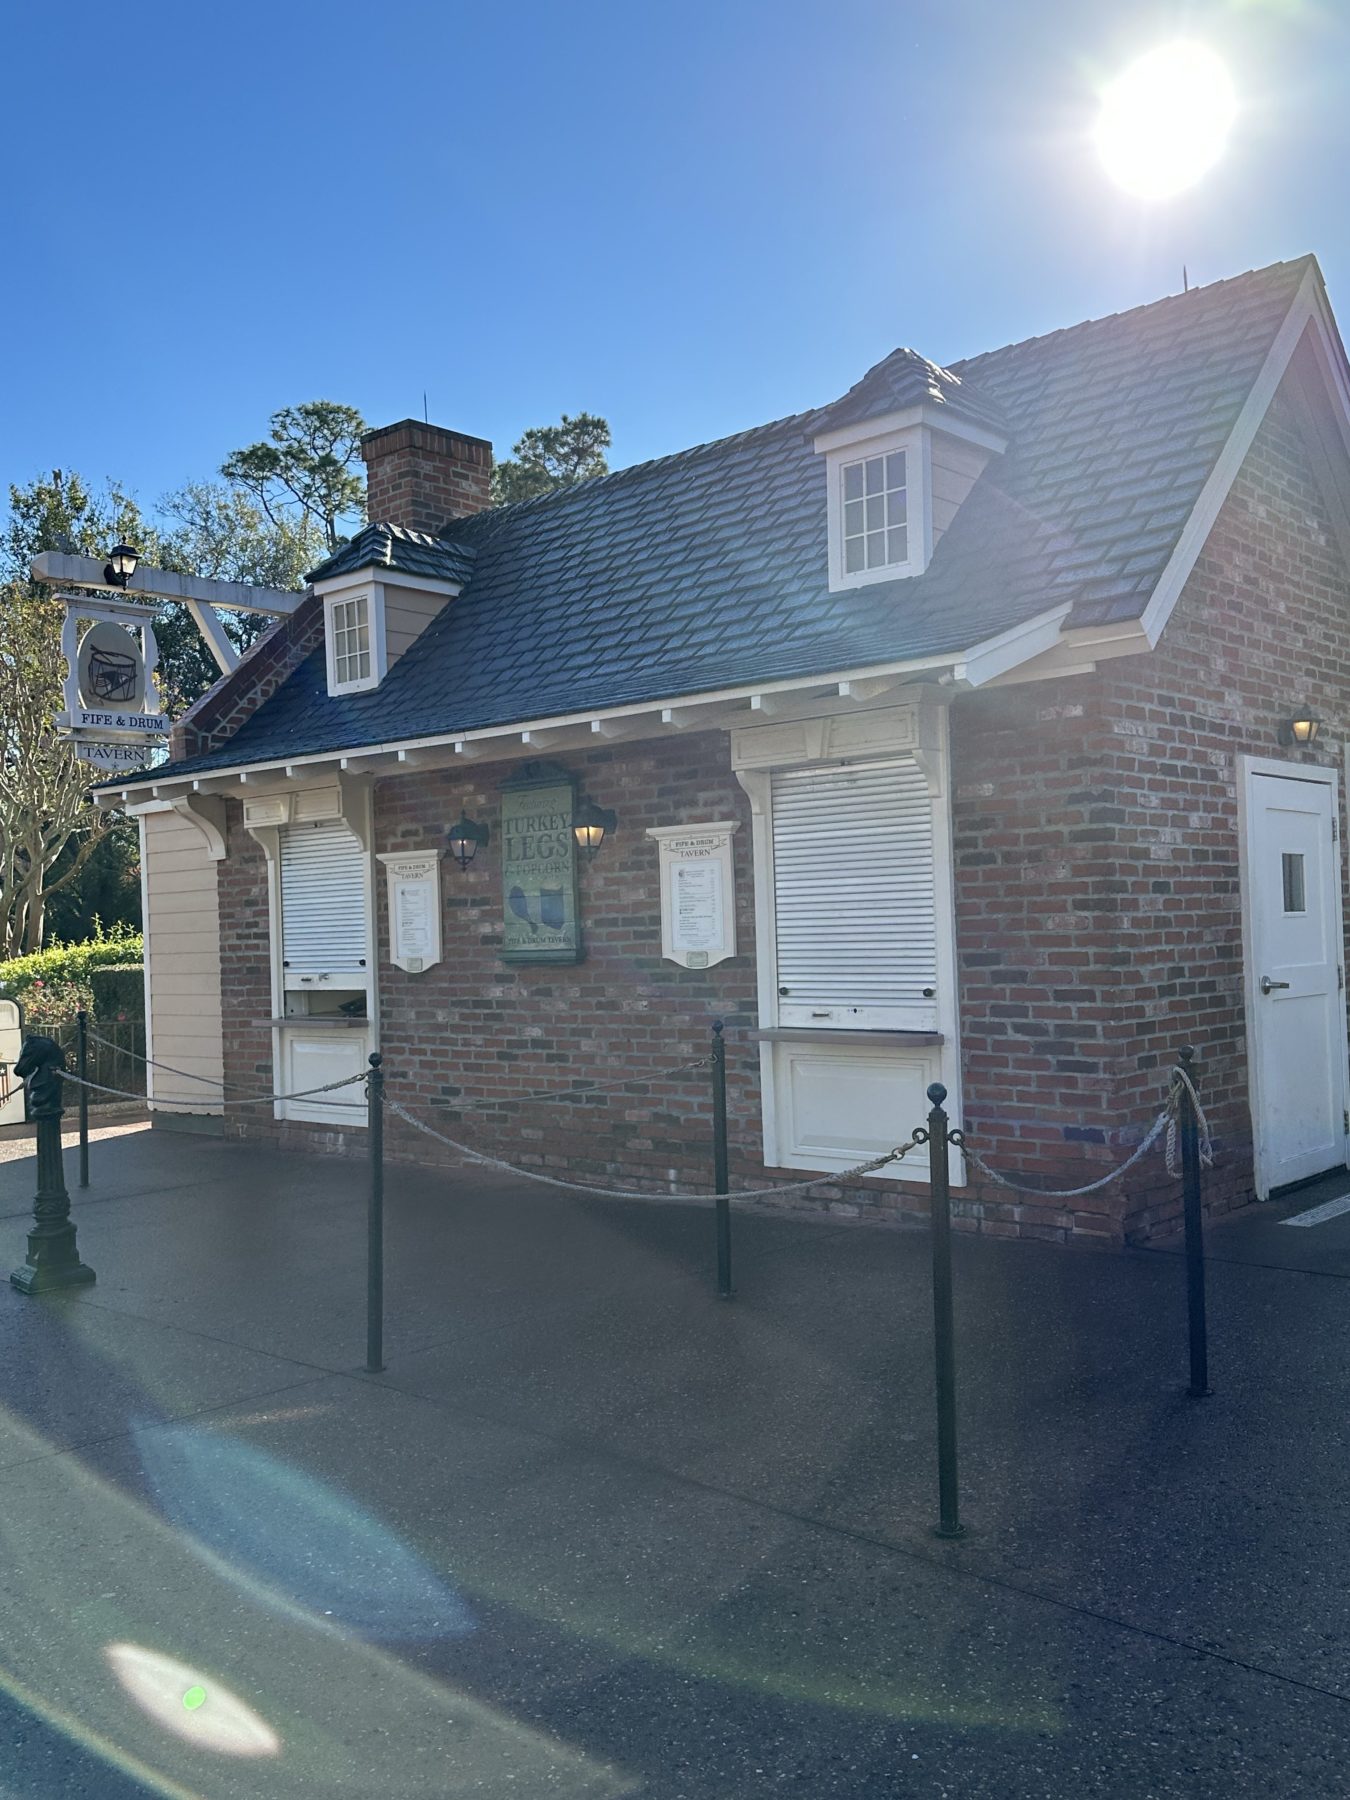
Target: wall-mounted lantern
(1302, 729)
(121, 565)
(589, 825)
(465, 838)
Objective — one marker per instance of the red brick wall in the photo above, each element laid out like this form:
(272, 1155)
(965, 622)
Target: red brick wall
(214, 719)
(1099, 923)
(1098, 918)
(420, 476)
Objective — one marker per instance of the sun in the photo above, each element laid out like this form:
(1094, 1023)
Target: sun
(1164, 121)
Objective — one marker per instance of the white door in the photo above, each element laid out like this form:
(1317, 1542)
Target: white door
(1295, 1003)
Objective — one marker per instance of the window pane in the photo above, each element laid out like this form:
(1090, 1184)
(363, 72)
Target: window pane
(853, 517)
(1295, 900)
(897, 546)
(876, 549)
(876, 511)
(873, 470)
(895, 508)
(853, 555)
(895, 469)
(853, 481)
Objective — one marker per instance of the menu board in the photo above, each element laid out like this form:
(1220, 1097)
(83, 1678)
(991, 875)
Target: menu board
(414, 888)
(698, 913)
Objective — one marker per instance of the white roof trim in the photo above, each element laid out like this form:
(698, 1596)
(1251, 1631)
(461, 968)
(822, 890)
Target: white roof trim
(980, 663)
(936, 416)
(1308, 308)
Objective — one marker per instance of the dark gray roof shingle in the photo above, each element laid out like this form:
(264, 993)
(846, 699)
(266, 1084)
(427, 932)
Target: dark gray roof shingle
(382, 546)
(708, 569)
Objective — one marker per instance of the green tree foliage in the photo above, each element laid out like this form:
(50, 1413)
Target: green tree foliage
(223, 534)
(553, 456)
(306, 471)
(46, 818)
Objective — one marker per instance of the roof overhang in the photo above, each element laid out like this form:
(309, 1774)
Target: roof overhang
(936, 417)
(799, 697)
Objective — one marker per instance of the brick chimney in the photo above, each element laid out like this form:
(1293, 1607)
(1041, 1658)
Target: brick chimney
(421, 476)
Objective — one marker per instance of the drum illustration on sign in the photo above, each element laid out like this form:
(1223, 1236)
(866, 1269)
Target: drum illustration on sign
(111, 669)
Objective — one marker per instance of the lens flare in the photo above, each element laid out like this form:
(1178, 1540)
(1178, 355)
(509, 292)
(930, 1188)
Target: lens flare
(168, 1690)
(1165, 121)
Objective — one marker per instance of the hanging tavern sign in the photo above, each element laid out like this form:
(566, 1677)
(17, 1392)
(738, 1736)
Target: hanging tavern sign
(541, 919)
(112, 715)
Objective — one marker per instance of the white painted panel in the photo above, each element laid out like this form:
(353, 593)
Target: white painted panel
(182, 951)
(313, 1061)
(323, 899)
(840, 1105)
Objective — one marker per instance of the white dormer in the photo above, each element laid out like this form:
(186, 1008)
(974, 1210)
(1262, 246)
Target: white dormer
(895, 479)
(354, 636)
(376, 606)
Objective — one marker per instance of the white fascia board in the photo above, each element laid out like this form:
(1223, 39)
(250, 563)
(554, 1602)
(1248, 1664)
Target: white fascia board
(937, 418)
(163, 584)
(1308, 307)
(1019, 644)
(376, 572)
(972, 667)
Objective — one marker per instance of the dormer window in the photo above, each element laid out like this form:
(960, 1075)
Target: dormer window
(354, 637)
(876, 515)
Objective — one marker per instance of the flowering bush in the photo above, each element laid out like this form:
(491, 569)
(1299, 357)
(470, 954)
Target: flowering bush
(53, 984)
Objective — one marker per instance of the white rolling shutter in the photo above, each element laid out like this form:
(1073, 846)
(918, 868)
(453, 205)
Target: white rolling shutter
(323, 899)
(854, 897)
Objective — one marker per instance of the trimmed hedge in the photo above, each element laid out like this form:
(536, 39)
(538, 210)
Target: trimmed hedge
(118, 990)
(69, 965)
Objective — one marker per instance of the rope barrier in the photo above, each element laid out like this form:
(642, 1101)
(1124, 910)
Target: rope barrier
(568, 1093)
(257, 1100)
(579, 1187)
(1166, 1120)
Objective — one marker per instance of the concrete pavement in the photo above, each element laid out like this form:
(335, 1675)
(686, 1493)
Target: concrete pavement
(594, 1532)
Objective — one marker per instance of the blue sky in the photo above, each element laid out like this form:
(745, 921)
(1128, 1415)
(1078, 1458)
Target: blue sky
(690, 218)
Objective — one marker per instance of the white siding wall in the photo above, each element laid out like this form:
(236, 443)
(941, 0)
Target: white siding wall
(182, 959)
(407, 614)
(956, 468)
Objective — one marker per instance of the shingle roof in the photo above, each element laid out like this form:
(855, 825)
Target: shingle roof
(903, 379)
(394, 547)
(708, 569)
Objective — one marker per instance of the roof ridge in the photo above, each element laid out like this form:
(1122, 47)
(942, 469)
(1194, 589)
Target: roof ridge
(1061, 331)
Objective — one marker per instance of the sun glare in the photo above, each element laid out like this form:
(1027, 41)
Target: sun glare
(1164, 122)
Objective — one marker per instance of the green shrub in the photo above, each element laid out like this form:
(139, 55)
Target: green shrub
(118, 990)
(53, 984)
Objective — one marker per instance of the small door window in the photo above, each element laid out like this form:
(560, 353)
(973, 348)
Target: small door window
(1294, 896)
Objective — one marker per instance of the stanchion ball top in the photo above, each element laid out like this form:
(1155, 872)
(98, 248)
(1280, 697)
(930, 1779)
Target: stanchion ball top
(375, 1059)
(937, 1093)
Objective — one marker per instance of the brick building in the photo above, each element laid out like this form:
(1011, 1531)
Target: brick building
(945, 732)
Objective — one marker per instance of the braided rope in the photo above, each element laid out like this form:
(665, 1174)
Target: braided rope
(1166, 1120)
(257, 1100)
(568, 1093)
(579, 1187)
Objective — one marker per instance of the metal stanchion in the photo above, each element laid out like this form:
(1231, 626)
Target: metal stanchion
(949, 1518)
(721, 1184)
(375, 1219)
(1193, 1208)
(82, 1070)
(53, 1257)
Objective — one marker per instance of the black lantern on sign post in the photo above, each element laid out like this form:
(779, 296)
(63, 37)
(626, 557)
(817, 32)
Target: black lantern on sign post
(464, 839)
(121, 565)
(589, 825)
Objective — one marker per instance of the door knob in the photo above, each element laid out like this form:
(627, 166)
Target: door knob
(1268, 986)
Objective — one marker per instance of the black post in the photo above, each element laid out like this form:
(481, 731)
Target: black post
(53, 1258)
(82, 1070)
(721, 1184)
(375, 1219)
(1195, 1231)
(949, 1519)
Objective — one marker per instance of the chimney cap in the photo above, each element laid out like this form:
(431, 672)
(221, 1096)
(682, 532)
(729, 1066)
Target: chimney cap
(416, 434)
